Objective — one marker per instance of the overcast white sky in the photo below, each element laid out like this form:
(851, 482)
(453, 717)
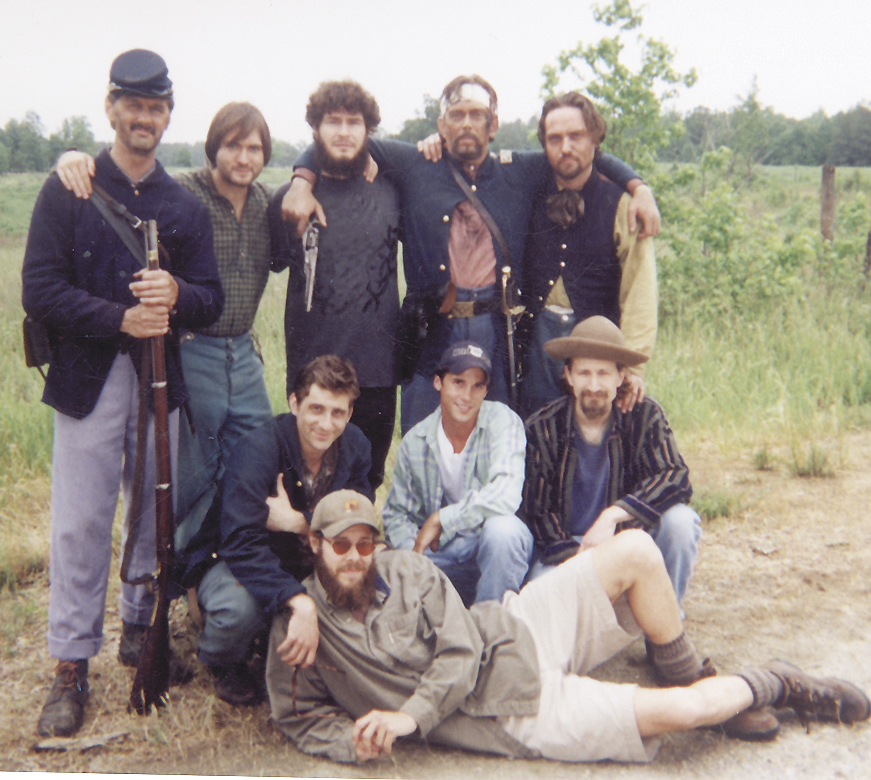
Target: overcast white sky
(55, 54)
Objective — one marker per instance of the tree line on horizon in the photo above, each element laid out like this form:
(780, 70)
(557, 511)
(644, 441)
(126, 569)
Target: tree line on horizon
(752, 131)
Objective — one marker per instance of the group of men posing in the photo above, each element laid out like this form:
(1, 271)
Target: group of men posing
(496, 577)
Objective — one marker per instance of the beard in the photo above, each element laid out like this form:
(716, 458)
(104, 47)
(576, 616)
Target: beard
(352, 597)
(468, 153)
(594, 406)
(341, 169)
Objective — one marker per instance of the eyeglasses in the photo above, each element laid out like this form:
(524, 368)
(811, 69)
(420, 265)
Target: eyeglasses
(343, 546)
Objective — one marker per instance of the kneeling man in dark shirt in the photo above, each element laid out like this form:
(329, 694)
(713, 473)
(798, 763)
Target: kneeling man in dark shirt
(251, 555)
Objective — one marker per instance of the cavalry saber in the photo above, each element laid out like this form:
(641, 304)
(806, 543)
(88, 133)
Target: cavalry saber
(509, 332)
(310, 246)
(151, 685)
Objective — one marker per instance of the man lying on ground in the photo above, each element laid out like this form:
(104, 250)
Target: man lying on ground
(399, 655)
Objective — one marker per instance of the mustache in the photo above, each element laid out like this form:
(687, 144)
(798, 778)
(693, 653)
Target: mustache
(146, 128)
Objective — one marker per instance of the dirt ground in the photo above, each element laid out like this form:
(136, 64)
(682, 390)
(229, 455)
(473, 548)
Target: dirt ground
(787, 576)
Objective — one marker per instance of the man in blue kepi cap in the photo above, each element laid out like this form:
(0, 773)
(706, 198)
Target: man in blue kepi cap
(458, 480)
(83, 283)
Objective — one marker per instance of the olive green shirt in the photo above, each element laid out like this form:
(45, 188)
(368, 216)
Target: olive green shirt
(419, 651)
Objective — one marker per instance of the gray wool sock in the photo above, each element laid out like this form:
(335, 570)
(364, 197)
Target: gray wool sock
(766, 686)
(677, 662)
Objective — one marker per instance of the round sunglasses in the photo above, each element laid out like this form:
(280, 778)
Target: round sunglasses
(343, 546)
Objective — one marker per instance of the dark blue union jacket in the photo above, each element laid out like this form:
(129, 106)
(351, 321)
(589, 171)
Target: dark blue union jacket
(77, 271)
(270, 565)
(506, 185)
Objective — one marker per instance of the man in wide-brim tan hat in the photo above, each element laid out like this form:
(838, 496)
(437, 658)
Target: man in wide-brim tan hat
(593, 470)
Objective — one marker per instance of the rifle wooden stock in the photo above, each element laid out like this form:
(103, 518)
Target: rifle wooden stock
(151, 685)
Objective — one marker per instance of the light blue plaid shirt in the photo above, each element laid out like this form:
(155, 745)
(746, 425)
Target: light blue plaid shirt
(493, 477)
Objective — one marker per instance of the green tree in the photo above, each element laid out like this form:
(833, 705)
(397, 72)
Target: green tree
(182, 158)
(75, 132)
(284, 154)
(755, 132)
(629, 101)
(851, 137)
(516, 135)
(423, 125)
(28, 150)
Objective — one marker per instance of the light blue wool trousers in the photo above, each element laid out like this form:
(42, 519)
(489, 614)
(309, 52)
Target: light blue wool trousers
(92, 459)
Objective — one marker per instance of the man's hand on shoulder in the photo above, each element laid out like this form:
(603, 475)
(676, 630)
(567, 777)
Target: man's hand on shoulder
(298, 204)
(282, 516)
(630, 392)
(431, 147)
(75, 170)
(376, 732)
(301, 643)
(370, 172)
(429, 534)
(643, 207)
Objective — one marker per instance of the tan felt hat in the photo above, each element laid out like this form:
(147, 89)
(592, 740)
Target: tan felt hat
(595, 337)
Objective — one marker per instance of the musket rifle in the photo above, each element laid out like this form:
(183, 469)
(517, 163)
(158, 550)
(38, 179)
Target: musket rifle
(151, 685)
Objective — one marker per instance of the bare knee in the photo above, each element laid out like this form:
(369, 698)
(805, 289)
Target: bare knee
(638, 551)
(626, 559)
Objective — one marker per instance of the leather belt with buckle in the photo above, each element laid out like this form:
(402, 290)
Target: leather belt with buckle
(466, 309)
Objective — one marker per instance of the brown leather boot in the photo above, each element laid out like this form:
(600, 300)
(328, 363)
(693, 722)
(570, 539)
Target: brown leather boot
(64, 709)
(753, 725)
(781, 684)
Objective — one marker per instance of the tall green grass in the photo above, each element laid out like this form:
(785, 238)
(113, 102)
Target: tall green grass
(803, 368)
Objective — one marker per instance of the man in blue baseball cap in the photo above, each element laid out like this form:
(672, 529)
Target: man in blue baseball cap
(458, 480)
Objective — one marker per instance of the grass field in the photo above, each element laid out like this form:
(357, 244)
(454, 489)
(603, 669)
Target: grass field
(776, 371)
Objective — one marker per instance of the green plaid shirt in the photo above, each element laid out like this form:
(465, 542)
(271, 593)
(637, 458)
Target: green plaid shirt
(242, 250)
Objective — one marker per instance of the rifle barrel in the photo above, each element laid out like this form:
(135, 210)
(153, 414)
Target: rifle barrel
(151, 685)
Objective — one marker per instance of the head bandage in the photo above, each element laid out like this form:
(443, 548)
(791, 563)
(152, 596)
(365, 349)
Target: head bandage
(467, 91)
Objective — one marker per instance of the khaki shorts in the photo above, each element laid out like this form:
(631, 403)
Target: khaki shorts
(576, 628)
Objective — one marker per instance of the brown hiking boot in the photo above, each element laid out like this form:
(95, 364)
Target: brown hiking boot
(64, 709)
(827, 698)
(130, 652)
(753, 725)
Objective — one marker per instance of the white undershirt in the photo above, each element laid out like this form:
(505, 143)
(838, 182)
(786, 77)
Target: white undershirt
(451, 467)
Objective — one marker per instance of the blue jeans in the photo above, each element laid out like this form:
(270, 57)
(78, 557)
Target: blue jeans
(232, 618)
(228, 398)
(483, 564)
(419, 397)
(542, 374)
(677, 537)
